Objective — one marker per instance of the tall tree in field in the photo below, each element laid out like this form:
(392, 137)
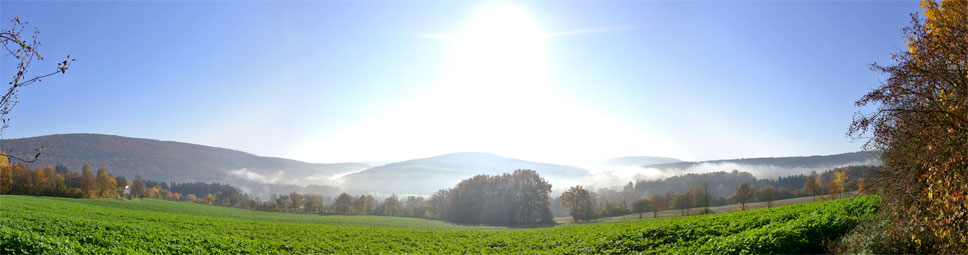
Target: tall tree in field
(88, 182)
(314, 203)
(296, 201)
(529, 197)
(705, 196)
(695, 198)
(579, 203)
(812, 187)
(122, 184)
(641, 206)
(138, 189)
(921, 125)
(745, 193)
(681, 202)
(767, 194)
(392, 206)
(832, 189)
(657, 203)
(107, 185)
(841, 179)
(344, 204)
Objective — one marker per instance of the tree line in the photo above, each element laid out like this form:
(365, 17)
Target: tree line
(515, 199)
(512, 199)
(18, 179)
(584, 205)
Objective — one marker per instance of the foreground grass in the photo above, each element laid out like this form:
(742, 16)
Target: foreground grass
(38, 225)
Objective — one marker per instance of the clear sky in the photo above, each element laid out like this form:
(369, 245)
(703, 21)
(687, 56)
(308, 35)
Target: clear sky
(553, 81)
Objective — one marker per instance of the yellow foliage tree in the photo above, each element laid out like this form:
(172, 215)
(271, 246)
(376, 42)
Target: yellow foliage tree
(921, 125)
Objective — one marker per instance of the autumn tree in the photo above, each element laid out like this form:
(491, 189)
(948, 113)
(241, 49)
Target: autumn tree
(840, 179)
(368, 205)
(296, 201)
(695, 198)
(682, 203)
(921, 125)
(343, 204)
(391, 206)
(657, 203)
(641, 206)
(207, 199)
(314, 203)
(706, 196)
(745, 193)
(88, 182)
(139, 189)
(579, 203)
(767, 194)
(812, 187)
(107, 184)
(122, 184)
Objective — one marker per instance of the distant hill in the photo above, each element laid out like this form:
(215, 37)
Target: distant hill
(774, 166)
(638, 161)
(428, 175)
(174, 161)
(168, 161)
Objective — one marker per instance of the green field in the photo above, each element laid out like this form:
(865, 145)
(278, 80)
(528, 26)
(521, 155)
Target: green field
(39, 225)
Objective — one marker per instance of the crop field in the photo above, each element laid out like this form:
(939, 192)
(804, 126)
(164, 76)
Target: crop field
(44, 225)
(715, 209)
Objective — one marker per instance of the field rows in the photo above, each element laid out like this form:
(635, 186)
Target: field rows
(37, 225)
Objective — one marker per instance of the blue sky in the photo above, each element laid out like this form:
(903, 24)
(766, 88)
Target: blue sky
(391, 80)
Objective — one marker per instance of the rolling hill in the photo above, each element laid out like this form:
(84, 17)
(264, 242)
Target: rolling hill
(428, 175)
(174, 161)
(637, 161)
(262, 176)
(772, 167)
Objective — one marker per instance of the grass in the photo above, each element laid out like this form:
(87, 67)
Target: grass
(714, 209)
(43, 225)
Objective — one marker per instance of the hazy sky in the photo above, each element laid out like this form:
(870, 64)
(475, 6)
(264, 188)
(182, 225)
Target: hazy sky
(390, 80)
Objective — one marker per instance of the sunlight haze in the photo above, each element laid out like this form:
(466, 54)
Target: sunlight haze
(552, 82)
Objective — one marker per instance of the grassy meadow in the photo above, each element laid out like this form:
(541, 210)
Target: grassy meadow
(47, 225)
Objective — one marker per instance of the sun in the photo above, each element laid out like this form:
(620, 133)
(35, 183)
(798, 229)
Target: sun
(497, 93)
(499, 51)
